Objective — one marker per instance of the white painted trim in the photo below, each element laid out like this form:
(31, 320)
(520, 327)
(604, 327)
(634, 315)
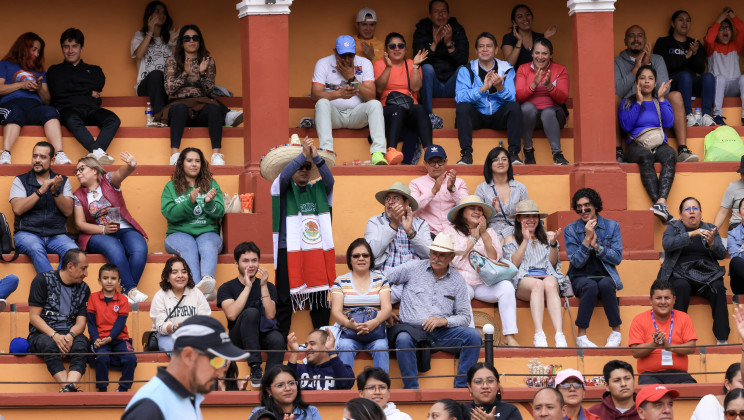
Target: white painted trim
(588, 6)
(259, 7)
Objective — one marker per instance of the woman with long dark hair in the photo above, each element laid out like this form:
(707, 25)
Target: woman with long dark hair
(282, 396)
(151, 46)
(712, 406)
(485, 390)
(518, 44)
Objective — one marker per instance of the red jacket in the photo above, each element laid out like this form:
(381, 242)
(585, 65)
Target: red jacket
(606, 410)
(558, 75)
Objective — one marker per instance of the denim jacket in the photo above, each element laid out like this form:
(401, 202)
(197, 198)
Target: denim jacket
(676, 238)
(735, 241)
(610, 244)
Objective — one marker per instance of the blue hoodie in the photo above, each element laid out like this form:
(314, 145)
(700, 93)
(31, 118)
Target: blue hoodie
(323, 376)
(486, 103)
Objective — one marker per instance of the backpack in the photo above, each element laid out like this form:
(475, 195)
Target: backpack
(723, 145)
(6, 241)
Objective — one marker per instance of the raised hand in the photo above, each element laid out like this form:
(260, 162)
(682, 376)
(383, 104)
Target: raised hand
(515, 32)
(498, 81)
(436, 36)
(420, 57)
(368, 49)
(451, 178)
(639, 94)
(664, 89)
(482, 226)
(447, 34)
(406, 220)
(438, 183)
(193, 194)
(647, 51)
(550, 31)
(204, 65)
(539, 73)
(330, 343)
(210, 195)
(739, 319)
(292, 342)
(397, 212)
(128, 159)
(388, 61)
(546, 80)
(307, 146)
(262, 275)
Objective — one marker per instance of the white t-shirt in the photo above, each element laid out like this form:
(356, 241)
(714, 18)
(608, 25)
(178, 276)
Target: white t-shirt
(325, 74)
(708, 409)
(17, 190)
(154, 58)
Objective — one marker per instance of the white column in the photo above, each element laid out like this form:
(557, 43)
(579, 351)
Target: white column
(588, 6)
(263, 7)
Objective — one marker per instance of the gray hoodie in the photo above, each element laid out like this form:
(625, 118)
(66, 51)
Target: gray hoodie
(625, 80)
(392, 413)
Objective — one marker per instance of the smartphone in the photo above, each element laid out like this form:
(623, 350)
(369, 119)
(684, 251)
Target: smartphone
(354, 84)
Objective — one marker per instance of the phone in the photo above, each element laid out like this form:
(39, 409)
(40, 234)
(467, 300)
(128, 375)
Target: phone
(354, 84)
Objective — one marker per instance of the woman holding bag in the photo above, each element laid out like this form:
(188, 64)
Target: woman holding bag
(470, 231)
(644, 118)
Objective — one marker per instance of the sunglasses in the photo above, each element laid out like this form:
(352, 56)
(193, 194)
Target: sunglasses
(581, 210)
(306, 166)
(357, 256)
(568, 385)
(217, 362)
(189, 38)
(398, 46)
(732, 414)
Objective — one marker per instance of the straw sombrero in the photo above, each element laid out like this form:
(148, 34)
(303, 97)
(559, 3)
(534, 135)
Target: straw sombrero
(398, 188)
(471, 200)
(278, 157)
(527, 207)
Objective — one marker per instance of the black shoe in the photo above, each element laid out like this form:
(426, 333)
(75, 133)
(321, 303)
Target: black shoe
(256, 376)
(619, 155)
(558, 159)
(69, 388)
(466, 158)
(719, 120)
(529, 156)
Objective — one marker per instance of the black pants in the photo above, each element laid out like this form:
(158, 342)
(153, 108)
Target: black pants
(588, 290)
(669, 376)
(210, 116)
(716, 295)
(153, 86)
(42, 343)
(508, 116)
(319, 314)
(655, 187)
(126, 362)
(76, 118)
(246, 335)
(396, 118)
(736, 272)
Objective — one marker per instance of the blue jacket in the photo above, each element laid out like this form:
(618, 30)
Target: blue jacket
(486, 103)
(735, 241)
(676, 238)
(610, 246)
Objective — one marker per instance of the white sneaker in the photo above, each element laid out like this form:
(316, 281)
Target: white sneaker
(152, 124)
(174, 158)
(584, 342)
(233, 118)
(102, 157)
(135, 296)
(691, 120)
(3, 304)
(614, 339)
(61, 159)
(218, 159)
(208, 286)
(707, 121)
(5, 158)
(718, 342)
(540, 339)
(560, 340)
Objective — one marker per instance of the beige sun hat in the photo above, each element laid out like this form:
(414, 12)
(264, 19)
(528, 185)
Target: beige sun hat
(443, 243)
(471, 200)
(278, 157)
(527, 207)
(398, 188)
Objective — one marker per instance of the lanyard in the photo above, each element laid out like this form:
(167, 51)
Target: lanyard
(671, 327)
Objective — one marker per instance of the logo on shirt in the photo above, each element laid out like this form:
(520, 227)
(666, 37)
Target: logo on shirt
(23, 75)
(310, 231)
(116, 308)
(358, 70)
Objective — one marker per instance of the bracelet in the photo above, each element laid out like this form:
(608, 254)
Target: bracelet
(415, 66)
(149, 33)
(38, 193)
(554, 246)
(72, 334)
(474, 239)
(103, 229)
(517, 46)
(265, 296)
(412, 235)
(452, 45)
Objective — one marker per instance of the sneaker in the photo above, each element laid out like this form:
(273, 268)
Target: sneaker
(174, 159)
(5, 158)
(540, 339)
(233, 118)
(584, 342)
(691, 120)
(466, 158)
(558, 159)
(135, 296)
(69, 388)
(61, 159)
(685, 155)
(256, 375)
(660, 210)
(708, 121)
(560, 340)
(3, 304)
(378, 159)
(436, 121)
(102, 157)
(517, 161)
(393, 156)
(152, 124)
(718, 119)
(529, 156)
(307, 122)
(218, 159)
(619, 155)
(208, 285)
(614, 339)
(721, 342)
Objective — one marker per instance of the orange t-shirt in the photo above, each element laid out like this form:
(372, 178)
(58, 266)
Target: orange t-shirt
(641, 330)
(397, 80)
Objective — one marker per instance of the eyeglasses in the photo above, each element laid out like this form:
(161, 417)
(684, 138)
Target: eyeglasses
(189, 38)
(724, 28)
(689, 209)
(568, 385)
(398, 46)
(440, 162)
(376, 388)
(357, 256)
(490, 381)
(393, 198)
(732, 414)
(217, 362)
(80, 169)
(306, 166)
(289, 384)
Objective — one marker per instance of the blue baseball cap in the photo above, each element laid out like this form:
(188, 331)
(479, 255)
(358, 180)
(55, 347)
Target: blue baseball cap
(19, 345)
(433, 151)
(345, 44)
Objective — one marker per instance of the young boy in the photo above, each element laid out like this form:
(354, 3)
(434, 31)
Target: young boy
(107, 324)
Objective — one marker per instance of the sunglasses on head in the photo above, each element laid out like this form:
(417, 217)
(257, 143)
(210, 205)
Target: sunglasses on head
(398, 46)
(189, 38)
(306, 166)
(217, 362)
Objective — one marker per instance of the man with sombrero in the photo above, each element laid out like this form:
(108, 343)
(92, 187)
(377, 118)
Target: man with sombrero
(304, 256)
(395, 235)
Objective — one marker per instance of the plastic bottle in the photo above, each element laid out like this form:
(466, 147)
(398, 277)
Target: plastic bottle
(148, 113)
(501, 143)
(698, 116)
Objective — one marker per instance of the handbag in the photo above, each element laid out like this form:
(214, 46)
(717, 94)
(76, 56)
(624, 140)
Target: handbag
(701, 272)
(6, 241)
(490, 270)
(150, 338)
(361, 315)
(651, 138)
(401, 99)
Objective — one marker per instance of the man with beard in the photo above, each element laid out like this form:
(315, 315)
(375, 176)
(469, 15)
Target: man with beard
(41, 201)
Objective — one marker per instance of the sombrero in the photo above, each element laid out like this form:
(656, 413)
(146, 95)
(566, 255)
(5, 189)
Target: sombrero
(278, 157)
(471, 200)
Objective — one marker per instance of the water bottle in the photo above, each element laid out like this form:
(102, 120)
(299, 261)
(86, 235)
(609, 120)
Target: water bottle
(501, 143)
(148, 113)
(698, 116)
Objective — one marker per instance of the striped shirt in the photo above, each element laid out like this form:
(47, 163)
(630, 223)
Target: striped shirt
(354, 298)
(536, 256)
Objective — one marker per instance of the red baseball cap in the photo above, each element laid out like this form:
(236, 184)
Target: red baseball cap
(654, 393)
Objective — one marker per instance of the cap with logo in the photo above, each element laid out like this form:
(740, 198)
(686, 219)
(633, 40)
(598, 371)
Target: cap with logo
(654, 393)
(205, 333)
(345, 45)
(433, 151)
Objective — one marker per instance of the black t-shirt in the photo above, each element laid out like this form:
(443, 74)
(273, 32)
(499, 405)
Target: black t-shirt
(593, 267)
(482, 74)
(61, 303)
(525, 54)
(233, 288)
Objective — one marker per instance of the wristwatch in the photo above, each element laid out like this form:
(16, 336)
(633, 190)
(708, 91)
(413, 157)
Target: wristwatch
(453, 189)
(38, 193)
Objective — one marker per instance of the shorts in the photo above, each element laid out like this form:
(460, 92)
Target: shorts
(26, 111)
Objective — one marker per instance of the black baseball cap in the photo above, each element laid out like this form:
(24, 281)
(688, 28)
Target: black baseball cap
(207, 334)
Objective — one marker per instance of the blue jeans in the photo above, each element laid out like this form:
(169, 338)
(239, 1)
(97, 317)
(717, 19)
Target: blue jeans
(199, 252)
(380, 359)
(8, 284)
(441, 337)
(690, 85)
(433, 88)
(127, 249)
(37, 247)
(165, 342)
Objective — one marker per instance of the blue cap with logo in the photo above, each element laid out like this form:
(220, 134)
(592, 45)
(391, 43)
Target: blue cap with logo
(345, 44)
(433, 151)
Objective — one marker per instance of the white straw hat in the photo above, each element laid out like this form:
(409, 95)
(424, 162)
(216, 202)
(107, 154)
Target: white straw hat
(278, 157)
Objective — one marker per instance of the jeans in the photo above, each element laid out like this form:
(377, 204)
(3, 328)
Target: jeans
(508, 116)
(655, 187)
(431, 87)
(126, 249)
(153, 85)
(42, 343)
(246, 335)
(716, 296)
(199, 252)
(588, 290)
(36, 247)
(8, 284)
(503, 293)
(396, 118)
(328, 117)
(210, 116)
(550, 119)
(690, 85)
(76, 119)
(125, 362)
(440, 337)
(380, 359)
(727, 87)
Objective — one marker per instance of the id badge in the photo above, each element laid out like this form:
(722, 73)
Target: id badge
(666, 358)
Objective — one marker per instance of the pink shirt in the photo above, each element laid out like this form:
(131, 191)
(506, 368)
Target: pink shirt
(433, 208)
(461, 262)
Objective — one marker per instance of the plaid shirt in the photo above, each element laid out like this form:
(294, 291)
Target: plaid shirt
(399, 251)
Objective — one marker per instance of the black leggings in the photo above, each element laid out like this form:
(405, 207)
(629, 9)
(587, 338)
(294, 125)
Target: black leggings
(655, 187)
(210, 116)
(397, 118)
(153, 85)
